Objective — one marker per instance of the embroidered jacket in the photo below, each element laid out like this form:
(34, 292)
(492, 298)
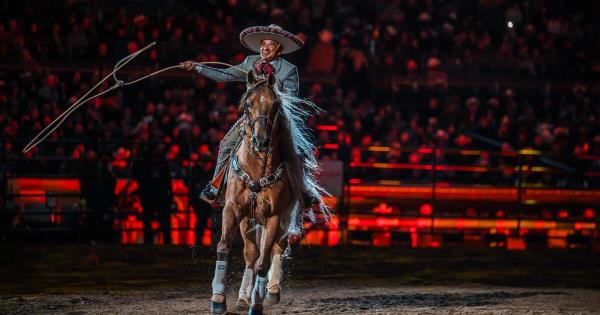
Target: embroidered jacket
(285, 72)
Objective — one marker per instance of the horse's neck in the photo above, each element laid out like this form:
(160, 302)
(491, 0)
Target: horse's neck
(253, 165)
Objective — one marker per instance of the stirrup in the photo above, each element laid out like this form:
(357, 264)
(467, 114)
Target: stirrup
(209, 194)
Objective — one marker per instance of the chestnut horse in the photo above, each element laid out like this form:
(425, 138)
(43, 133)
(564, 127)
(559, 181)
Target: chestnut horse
(259, 199)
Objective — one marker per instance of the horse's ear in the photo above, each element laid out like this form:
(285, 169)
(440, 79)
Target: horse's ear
(250, 77)
(271, 80)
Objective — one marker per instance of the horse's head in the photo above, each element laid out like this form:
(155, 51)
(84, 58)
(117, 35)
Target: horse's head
(260, 106)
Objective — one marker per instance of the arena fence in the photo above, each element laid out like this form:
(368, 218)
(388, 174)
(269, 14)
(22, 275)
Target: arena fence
(427, 197)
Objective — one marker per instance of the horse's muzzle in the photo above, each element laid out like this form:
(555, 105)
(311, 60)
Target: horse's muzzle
(259, 144)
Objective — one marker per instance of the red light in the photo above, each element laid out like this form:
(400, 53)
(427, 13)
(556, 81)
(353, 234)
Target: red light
(426, 209)
(333, 238)
(414, 237)
(563, 214)
(514, 243)
(327, 127)
(499, 213)
(382, 208)
(382, 239)
(331, 146)
(538, 225)
(434, 244)
(207, 237)
(589, 213)
(500, 224)
(334, 223)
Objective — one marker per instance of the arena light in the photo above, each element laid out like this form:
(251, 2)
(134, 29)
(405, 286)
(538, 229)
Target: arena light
(589, 213)
(477, 193)
(366, 222)
(327, 127)
(424, 167)
(377, 148)
(530, 152)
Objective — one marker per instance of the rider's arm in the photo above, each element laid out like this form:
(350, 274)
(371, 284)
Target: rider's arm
(291, 82)
(228, 74)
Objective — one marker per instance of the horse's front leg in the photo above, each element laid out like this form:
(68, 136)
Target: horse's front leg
(251, 252)
(261, 267)
(231, 219)
(276, 272)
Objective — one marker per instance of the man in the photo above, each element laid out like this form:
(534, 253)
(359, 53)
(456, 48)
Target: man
(270, 42)
(154, 190)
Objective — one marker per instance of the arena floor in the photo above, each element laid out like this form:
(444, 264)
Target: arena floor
(118, 279)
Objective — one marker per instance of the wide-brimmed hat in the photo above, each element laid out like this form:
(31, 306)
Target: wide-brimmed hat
(252, 36)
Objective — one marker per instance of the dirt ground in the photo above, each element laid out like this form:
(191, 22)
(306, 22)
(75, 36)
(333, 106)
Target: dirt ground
(326, 299)
(117, 279)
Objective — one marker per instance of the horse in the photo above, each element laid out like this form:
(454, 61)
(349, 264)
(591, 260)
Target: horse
(260, 199)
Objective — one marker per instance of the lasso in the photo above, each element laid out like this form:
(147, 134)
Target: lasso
(58, 121)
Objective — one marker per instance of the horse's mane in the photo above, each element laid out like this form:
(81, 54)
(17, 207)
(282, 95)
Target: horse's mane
(297, 111)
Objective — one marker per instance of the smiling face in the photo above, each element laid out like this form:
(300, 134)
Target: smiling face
(269, 49)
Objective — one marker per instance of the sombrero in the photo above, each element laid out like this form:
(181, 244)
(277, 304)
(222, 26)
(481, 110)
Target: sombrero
(252, 36)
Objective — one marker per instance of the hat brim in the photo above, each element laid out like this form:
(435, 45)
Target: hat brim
(252, 36)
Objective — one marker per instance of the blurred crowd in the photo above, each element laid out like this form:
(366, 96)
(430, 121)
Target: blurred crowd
(401, 74)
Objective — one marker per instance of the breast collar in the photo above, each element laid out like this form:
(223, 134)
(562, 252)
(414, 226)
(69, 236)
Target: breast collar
(260, 184)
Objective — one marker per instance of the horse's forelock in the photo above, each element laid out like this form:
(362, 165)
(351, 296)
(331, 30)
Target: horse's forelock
(256, 88)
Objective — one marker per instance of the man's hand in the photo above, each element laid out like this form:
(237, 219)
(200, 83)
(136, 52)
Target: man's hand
(188, 65)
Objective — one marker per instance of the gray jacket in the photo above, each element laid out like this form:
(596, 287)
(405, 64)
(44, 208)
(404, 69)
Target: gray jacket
(285, 72)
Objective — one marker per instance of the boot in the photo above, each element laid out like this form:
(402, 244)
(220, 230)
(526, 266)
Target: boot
(209, 194)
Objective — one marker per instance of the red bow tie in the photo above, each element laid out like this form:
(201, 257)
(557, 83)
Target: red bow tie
(264, 68)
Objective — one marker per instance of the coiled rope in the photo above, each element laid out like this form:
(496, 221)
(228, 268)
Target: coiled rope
(58, 121)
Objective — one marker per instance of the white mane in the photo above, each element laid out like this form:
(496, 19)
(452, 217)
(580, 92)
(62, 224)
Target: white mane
(297, 111)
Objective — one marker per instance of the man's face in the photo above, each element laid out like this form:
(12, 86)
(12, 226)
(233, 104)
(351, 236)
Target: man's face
(269, 49)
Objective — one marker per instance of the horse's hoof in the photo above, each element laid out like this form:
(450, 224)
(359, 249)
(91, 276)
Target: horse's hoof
(257, 311)
(241, 305)
(273, 298)
(218, 308)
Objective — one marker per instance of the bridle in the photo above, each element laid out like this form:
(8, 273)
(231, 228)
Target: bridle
(250, 122)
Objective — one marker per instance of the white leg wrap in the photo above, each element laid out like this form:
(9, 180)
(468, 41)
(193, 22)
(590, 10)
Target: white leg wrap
(259, 291)
(246, 286)
(275, 274)
(218, 283)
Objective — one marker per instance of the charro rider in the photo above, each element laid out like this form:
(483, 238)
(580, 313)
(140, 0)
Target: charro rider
(270, 42)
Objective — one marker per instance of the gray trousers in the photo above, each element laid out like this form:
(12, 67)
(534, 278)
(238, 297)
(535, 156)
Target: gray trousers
(228, 143)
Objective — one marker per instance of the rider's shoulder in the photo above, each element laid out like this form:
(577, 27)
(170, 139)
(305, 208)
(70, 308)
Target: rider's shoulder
(252, 58)
(287, 66)
(287, 63)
